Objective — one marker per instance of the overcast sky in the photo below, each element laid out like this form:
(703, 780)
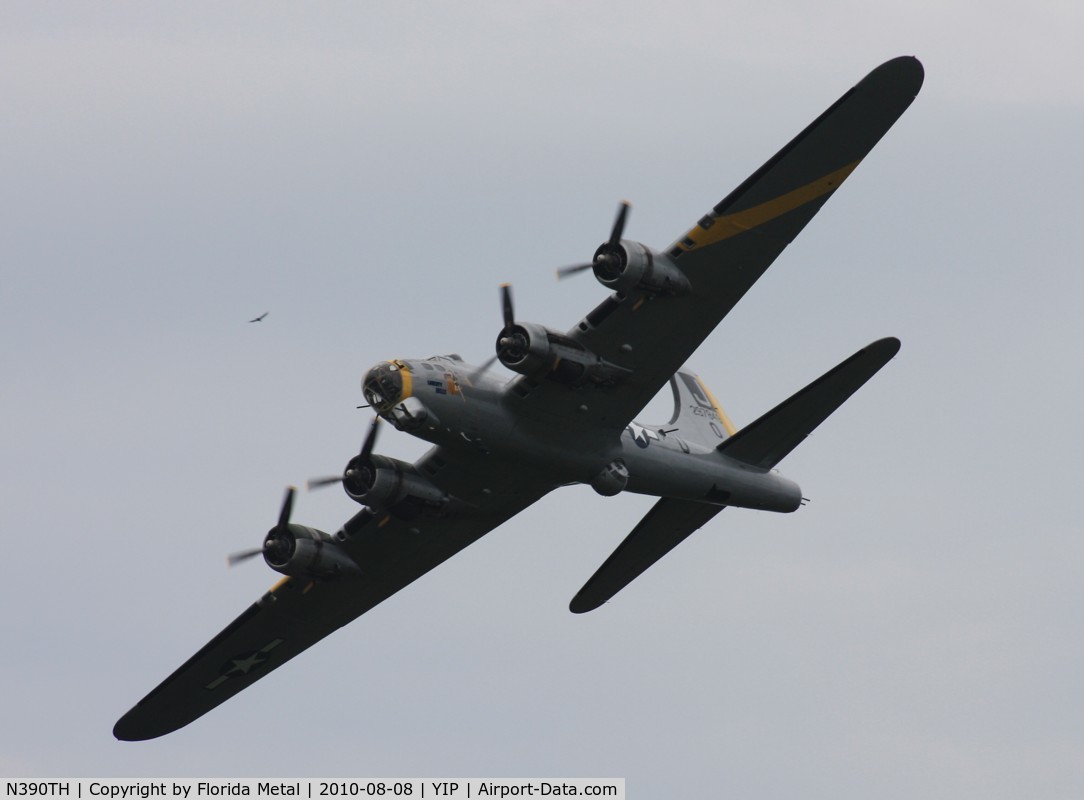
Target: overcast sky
(369, 173)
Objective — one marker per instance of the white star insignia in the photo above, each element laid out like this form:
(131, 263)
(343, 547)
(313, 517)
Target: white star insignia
(642, 434)
(243, 665)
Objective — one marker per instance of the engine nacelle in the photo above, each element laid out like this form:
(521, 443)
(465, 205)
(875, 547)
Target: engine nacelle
(306, 552)
(538, 352)
(524, 348)
(612, 480)
(631, 265)
(380, 482)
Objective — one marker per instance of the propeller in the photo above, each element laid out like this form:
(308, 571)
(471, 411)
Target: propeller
(276, 538)
(362, 457)
(608, 258)
(511, 342)
(506, 338)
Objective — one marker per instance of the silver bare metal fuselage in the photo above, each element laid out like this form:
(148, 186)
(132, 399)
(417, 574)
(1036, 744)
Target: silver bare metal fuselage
(451, 404)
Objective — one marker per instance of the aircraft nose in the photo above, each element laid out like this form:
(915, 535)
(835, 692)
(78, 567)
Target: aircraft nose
(383, 385)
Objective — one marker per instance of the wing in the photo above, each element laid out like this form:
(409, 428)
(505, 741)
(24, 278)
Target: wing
(666, 525)
(724, 254)
(296, 613)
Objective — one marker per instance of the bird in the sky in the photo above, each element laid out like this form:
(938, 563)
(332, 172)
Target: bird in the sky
(259, 318)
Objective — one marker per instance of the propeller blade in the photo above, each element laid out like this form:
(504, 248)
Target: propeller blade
(244, 555)
(489, 362)
(506, 305)
(370, 439)
(619, 224)
(319, 483)
(567, 272)
(509, 315)
(606, 257)
(287, 507)
(366, 451)
(284, 519)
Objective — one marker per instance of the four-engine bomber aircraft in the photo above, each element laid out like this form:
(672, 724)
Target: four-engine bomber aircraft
(566, 418)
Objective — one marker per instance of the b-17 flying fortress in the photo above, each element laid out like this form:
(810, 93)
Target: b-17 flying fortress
(566, 417)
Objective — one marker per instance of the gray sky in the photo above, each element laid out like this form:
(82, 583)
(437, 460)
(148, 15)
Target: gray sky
(369, 173)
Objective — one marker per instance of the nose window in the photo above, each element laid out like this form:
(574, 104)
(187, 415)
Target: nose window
(373, 395)
(383, 386)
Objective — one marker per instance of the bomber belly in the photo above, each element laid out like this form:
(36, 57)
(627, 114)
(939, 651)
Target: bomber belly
(442, 408)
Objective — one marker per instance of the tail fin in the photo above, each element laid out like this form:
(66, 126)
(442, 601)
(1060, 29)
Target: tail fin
(696, 412)
(765, 442)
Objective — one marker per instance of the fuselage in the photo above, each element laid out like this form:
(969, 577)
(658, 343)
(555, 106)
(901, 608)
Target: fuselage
(447, 402)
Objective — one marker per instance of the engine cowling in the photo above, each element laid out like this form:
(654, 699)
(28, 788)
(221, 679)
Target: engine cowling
(306, 552)
(538, 352)
(524, 348)
(380, 482)
(630, 266)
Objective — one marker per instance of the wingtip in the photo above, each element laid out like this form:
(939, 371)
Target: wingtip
(141, 723)
(906, 72)
(124, 731)
(889, 345)
(918, 72)
(581, 605)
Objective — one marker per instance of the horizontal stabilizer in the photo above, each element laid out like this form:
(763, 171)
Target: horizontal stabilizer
(666, 526)
(765, 442)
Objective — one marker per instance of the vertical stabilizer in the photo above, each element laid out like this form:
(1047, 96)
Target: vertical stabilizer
(697, 414)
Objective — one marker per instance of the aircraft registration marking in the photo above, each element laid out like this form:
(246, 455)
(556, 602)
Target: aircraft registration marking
(730, 429)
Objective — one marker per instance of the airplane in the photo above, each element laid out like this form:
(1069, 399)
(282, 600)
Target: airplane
(567, 417)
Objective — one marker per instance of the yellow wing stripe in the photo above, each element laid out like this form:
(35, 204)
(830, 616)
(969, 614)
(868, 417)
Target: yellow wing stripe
(741, 221)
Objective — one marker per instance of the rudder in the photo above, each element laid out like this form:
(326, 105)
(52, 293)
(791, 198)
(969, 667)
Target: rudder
(697, 414)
